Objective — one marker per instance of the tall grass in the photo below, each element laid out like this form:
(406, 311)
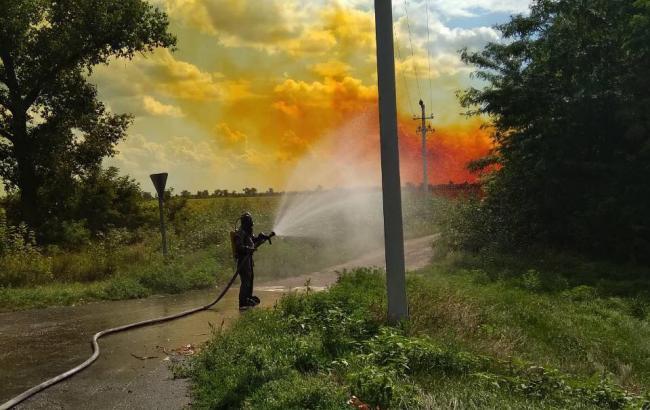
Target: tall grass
(336, 344)
(123, 264)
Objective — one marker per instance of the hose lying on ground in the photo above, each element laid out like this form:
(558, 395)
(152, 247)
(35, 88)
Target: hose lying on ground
(29, 393)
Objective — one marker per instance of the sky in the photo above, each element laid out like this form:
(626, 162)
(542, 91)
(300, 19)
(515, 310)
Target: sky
(255, 88)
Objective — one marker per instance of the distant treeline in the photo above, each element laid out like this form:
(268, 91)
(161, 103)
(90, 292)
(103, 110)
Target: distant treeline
(450, 190)
(217, 193)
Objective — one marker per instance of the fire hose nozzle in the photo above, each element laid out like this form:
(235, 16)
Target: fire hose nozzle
(268, 237)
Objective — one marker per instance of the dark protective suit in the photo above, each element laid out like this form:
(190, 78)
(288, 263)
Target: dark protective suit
(245, 243)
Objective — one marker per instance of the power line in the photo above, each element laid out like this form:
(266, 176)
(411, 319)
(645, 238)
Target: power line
(429, 57)
(406, 85)
(415, 69)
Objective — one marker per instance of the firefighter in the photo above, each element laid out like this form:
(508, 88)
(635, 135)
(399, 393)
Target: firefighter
(245, 245)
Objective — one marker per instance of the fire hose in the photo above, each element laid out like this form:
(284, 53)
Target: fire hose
(54, 380)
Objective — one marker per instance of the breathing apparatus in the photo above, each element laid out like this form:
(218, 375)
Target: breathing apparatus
(246, 221)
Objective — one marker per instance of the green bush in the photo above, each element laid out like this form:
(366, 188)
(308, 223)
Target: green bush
(125, 288)
(581, 293)
(531, 280)
(21, 262)
(27, 267)
(297, 391)
(640, 306)
(74, 235)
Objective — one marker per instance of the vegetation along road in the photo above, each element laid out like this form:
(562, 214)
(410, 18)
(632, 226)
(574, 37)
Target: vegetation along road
(133, 371)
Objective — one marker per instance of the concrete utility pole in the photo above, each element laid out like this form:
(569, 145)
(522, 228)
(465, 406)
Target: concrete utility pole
(391, 186)
(424, 129)
(159, 181)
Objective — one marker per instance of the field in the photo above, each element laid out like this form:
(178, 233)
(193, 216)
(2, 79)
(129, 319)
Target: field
(123, 264)
(130, 264)
(478, 336)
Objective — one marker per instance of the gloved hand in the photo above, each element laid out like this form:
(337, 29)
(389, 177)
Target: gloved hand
(265, 237)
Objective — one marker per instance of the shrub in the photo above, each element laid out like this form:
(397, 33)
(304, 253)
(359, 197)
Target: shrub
(581, 293)
(74, 235)
(296, 391)
(125, 288)
(21, 262)
(640, 306)
(531, 280)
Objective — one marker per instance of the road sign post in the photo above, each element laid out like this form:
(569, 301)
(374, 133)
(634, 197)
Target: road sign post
(159, 181)
(391, 186)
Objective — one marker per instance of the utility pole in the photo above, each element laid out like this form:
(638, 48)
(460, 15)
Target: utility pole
(424, 128)
(390, 178)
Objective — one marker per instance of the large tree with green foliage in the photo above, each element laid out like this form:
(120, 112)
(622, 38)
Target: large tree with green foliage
(53, 129)
(568, 95)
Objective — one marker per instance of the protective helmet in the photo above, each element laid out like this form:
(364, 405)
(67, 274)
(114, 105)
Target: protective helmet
(246, 220)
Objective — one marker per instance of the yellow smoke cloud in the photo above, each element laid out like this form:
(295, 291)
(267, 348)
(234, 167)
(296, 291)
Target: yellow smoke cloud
(264, 81)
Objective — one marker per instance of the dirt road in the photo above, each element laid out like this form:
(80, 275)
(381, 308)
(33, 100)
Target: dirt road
(132, 370)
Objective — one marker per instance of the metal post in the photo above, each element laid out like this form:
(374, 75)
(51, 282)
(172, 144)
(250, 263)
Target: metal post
(163, 230)
(159, 182)
(391, 187)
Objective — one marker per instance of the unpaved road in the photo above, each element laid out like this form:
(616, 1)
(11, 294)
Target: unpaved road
(132, 370)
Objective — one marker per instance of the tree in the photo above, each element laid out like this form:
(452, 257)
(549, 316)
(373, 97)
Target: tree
(53, 129)
(567, 93)
(250, 191)
(107, 199)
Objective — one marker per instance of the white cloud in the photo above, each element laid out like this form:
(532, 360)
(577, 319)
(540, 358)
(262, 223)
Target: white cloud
(440, 43)
(191, 164)
(465, 8)
(157, 108)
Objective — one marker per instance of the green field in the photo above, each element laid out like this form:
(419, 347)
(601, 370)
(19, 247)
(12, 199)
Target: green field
(127, 264)
(124, 264)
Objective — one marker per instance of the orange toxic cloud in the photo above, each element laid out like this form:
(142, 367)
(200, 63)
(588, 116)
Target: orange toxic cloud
(449, 148)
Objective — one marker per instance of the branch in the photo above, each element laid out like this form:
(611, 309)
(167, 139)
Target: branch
(33, 94)
(6, 134)
(10, 73)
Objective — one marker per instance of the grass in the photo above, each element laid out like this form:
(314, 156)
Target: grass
(575, 330)
(123, 264)
(474, 339)
(173, 276)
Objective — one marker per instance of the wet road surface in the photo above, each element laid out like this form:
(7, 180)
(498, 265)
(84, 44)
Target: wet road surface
(132, 370)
